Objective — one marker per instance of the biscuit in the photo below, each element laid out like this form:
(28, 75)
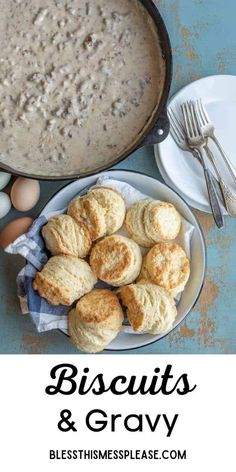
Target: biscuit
(150, 308)
(91, 214)
(144, 274)
(167, 265)
(116, 260)
(161, 221)
(134, 222)
(96, 321)
(62, 235)
(64, 279)
(113, 206)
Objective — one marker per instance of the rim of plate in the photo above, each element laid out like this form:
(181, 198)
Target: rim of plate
(168, 182)
(196, 223)
(190, 201)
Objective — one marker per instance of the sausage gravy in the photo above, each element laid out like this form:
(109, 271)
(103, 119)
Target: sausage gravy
(79, 81)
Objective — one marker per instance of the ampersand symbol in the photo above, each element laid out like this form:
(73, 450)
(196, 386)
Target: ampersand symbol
(69, 425)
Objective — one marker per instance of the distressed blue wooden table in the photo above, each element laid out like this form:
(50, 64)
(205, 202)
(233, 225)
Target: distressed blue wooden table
(204, 42)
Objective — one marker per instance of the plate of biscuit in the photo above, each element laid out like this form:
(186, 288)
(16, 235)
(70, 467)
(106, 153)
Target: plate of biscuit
(126, 255)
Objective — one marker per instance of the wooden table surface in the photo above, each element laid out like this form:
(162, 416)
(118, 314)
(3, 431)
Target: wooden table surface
(203, 38)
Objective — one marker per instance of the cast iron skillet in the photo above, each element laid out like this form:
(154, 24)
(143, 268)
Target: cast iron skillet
(158, 128)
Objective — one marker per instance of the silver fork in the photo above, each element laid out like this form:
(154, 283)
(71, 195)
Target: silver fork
(228, 195)
(196, 141)
(208, 130)
(178, 134)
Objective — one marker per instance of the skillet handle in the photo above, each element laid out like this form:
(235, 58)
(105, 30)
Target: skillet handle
(160, 131)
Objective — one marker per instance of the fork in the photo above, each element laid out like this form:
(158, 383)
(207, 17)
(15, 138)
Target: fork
(208, 130)
(228, 195)
(196, 141)
(178, 134)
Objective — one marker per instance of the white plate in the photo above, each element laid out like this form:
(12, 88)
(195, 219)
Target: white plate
(178, 168)
(155, 189)
(190, 202)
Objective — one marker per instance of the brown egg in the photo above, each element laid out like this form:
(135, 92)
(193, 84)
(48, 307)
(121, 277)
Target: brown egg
(14, 229)
(25, 193)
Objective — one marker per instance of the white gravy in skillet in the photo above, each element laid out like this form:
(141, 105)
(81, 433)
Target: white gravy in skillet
(79, 81)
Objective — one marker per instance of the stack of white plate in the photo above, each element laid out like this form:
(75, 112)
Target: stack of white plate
(180, 169)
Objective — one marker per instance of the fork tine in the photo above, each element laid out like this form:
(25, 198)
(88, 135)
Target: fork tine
(187, 120)
(186, 124)
(204, 112)
(199, 113)
(176, 126)
(174, 130)
(172, 123)
(185, 117)
(178, 123)
(194, 118)
(175, 136)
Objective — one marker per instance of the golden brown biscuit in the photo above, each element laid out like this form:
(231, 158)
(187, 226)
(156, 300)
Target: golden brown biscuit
(96, 321)
(91, 214)
(150, 308)
(134, 222)
(167, 265)
(62, 235)
(116, 260)
(144, 274)
(64, 279)
(113, 206)
(161, 221)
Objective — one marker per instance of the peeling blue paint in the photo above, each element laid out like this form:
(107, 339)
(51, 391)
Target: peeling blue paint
(204, 43)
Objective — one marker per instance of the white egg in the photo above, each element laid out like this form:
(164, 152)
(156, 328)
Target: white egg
(5, 204)
(4, 179)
